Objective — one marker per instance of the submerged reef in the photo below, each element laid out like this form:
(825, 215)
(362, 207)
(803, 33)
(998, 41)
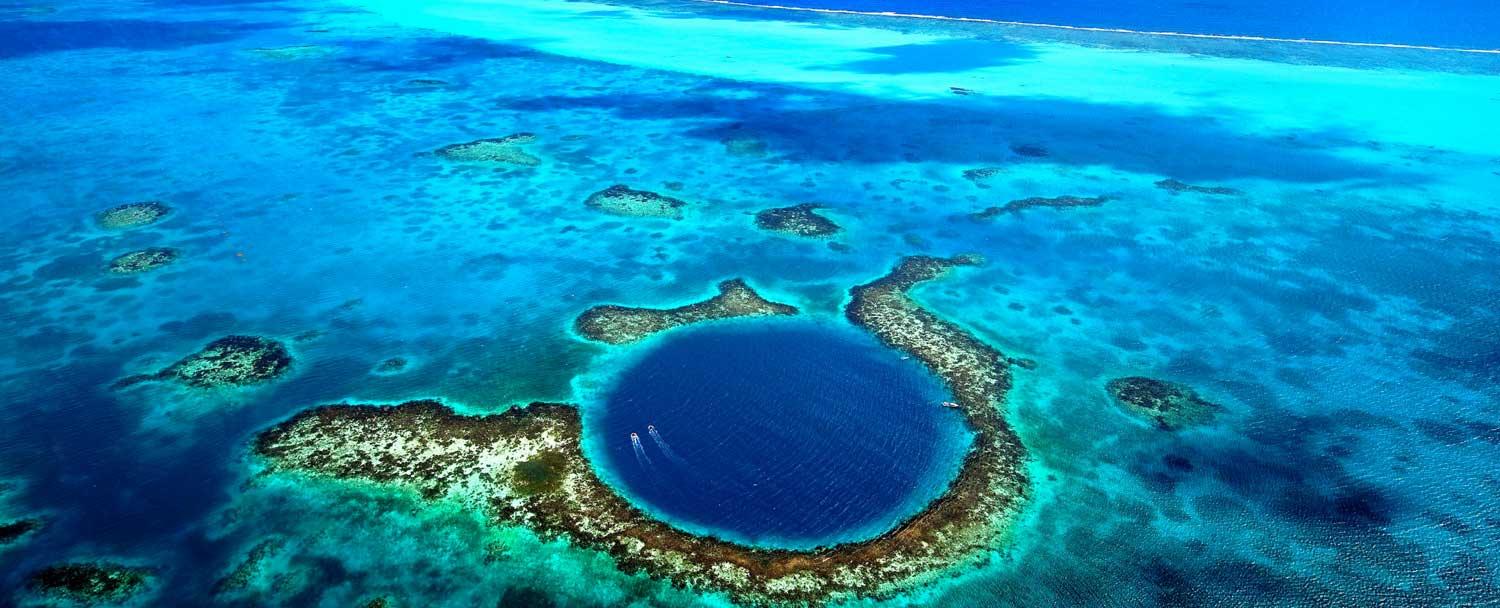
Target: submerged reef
(12, 531)
(132, 215)
(506, 149)
(90, 582)
(1059, 202)
(981, 176)
(1178, 187)
(622, 200)
(230, 361)
(144, 260)
(294, 52)
(621, 324)
(1168, 405)
(526, 466)
(801, 220)
(391, 366)
(249, 567)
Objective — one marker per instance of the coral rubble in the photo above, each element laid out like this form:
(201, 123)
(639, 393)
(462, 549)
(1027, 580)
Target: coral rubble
(1058, 202)
(132, 215)
(143, 260)
(508, 149)
(621, 324)
(1168, 405)
(90, 582)
(1178, 187)
(227, 362)
(622, 200)
(801, 220)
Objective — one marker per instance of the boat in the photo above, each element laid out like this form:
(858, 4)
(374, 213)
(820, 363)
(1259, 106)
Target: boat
(951, 404)
(635, 437)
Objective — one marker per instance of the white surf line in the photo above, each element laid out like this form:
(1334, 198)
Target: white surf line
(1104, 30)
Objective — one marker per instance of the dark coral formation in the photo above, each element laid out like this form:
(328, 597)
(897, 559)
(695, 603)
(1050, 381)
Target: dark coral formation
(982, 175)
(801, 220)
(1178, 187)
(90, 582)
(143, 260)
(1029, 150)
(621, 324)
(230, 361)
(1058, 202)
(132, 215)
(250, 566)
(526, 466)
(393, 365)
(508, 149)
(1168, 405)
(620, 199)
(12, 531)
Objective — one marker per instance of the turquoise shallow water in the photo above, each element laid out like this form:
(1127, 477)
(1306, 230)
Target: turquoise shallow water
(1340, 306)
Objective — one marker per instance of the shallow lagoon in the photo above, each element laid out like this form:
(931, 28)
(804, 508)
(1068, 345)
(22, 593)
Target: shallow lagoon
(1340, 307)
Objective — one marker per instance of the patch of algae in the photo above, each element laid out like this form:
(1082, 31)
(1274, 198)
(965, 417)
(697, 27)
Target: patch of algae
(1168, 405)
(143, 260)
(620, 199)
(506, 149)
(621, 324)
(801, 220)
(132, 215)
(227, 362)
(526, 466)
(90, 583)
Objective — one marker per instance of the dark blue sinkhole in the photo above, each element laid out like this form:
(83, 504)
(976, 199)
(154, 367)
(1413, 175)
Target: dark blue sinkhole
(778, 433)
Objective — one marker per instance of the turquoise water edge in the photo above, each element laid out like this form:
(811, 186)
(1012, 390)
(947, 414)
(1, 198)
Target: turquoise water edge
(1306, 234)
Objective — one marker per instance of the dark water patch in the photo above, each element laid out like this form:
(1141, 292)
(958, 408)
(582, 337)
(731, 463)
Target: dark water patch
(950, 55)
(1132, 138)
(425, 55)
(28, 38)
(784, 432)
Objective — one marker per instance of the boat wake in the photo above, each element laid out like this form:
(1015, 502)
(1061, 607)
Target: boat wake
(640, 452)
(662, 445)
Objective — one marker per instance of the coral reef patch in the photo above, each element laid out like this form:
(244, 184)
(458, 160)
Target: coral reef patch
(509, 149)
(801, 220)
(1057, 202)
(230, 361)
(1178, 187)
(143, 260)
(249, 567)
(526, 466)
(132, 215)
(391, 366)
(90, 582)
(620, 199)
(982, 175)
(621, 324)
(1168, 405)
(12, 531)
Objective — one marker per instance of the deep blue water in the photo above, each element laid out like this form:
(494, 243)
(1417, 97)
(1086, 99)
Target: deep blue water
(781, 432)
(1455, 23)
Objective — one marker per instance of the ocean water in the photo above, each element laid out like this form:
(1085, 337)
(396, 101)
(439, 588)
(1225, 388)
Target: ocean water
(1448, 23)
(1340, 305)
(780, 434)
